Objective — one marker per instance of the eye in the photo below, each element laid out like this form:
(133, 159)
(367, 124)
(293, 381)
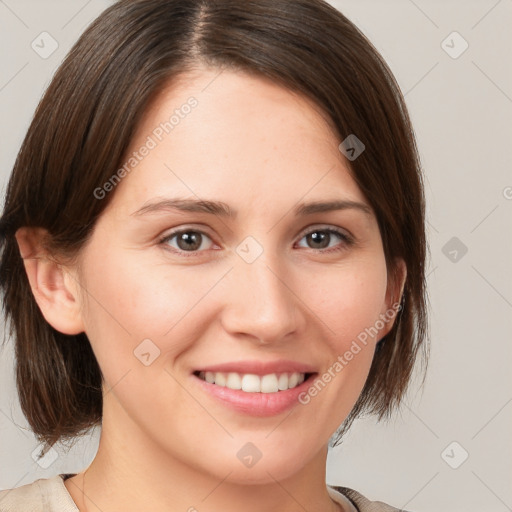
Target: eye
(193, 241)
(187, 240)
(321, 238)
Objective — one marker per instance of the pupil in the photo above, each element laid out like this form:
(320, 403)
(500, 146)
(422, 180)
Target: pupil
(320, 238)
(190, 241)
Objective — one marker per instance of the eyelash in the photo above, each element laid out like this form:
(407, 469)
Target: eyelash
(346, 239)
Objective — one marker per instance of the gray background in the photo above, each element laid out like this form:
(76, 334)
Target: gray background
(461, 106)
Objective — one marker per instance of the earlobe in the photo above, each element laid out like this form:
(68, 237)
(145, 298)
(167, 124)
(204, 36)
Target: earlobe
(399, 284)
(50, 282)
(394, 294)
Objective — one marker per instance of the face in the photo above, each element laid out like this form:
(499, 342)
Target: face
(263, 288)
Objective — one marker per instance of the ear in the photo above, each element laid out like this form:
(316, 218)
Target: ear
(54, 287)
(394, 292)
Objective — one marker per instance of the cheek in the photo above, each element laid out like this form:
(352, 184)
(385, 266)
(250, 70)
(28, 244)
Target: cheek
(348, 303)
(350, 299)
(134, 300)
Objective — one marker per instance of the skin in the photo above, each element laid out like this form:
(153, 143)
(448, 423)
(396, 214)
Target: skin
(260, 149)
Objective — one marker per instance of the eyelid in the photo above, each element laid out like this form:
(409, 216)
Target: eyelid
(326, 227)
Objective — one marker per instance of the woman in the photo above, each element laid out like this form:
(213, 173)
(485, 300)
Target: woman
(213, 246)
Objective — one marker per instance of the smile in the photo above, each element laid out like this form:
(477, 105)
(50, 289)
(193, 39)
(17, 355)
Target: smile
(251, 383)
(255, 388)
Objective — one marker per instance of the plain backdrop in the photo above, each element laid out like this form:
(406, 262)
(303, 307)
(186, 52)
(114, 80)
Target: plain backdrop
(449, 448)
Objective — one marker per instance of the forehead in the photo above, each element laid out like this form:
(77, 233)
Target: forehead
(235, 137)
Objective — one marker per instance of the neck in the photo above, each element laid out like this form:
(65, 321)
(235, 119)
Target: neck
(129, 473)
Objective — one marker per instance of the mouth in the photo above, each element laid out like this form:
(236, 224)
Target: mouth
(253, 383)
(255, 388)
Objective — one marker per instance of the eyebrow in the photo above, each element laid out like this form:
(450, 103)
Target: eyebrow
(223, 210)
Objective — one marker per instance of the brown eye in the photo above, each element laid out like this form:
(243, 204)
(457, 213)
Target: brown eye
(325, 239)
(186, 241)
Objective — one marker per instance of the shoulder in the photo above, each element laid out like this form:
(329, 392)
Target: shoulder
(43, 495)
(362, 503)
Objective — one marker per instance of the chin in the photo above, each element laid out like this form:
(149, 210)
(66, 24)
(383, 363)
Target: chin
(262, 473)
(248, 467)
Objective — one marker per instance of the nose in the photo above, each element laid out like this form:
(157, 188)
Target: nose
(261, 303)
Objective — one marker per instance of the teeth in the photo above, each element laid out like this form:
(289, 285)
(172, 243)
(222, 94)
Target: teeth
(282, 382)
(269, 383)
(250, 383)
(220, 379)
(234, 381)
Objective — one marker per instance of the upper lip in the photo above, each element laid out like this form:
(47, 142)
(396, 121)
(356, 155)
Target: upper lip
(260, 367)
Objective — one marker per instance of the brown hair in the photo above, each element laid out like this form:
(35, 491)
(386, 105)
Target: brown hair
(87, 117)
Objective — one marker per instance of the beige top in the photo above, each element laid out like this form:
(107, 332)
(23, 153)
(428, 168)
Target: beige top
(51, 495)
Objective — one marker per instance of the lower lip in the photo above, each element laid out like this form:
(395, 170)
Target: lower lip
(255, 404)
